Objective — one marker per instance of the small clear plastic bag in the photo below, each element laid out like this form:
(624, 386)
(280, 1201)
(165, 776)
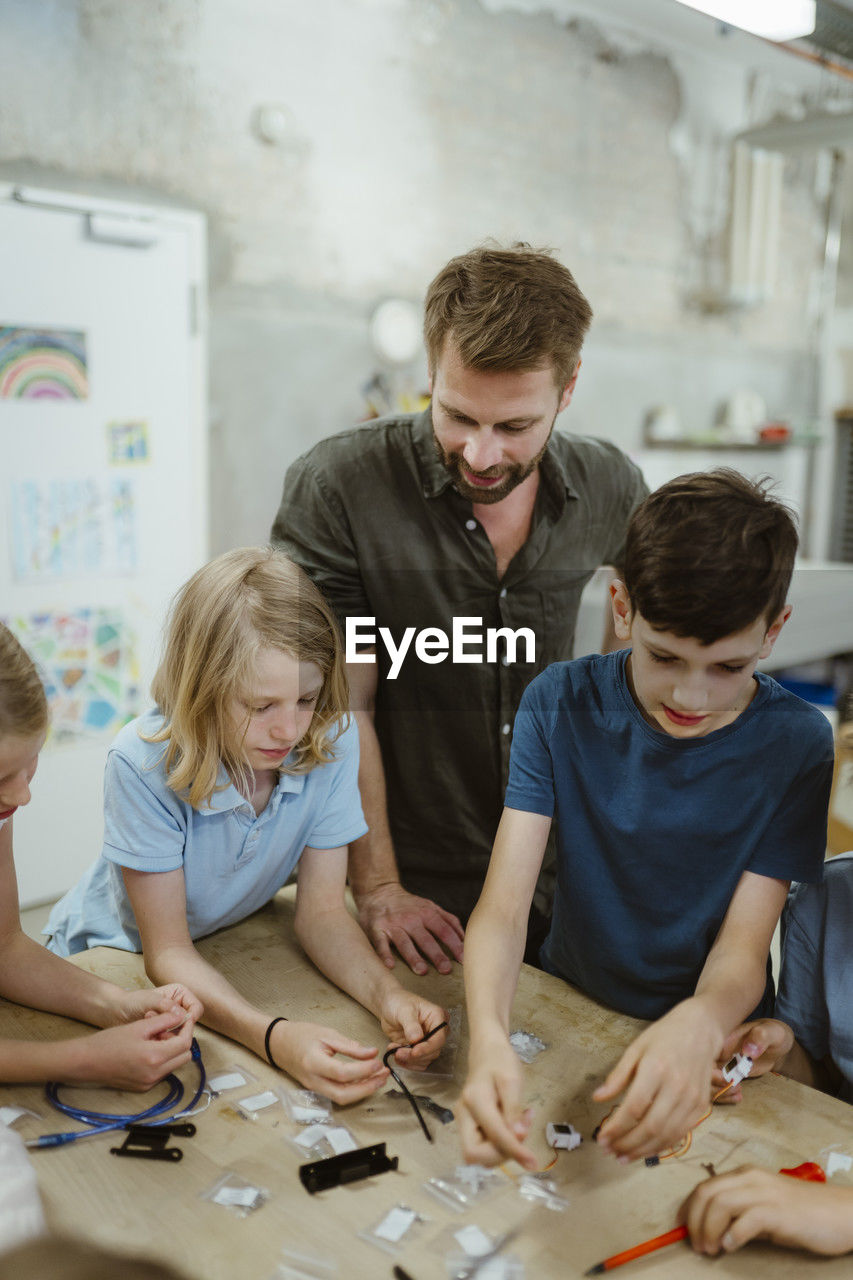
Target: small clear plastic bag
(527, 1044)
(542, 1190)
(318, 1141)
(235, 1193)
(305, 1107)
(463, 1245)
(466, 1185)
(296, 1265)
(258, 1103)
(230, 1077)
(396, 1229)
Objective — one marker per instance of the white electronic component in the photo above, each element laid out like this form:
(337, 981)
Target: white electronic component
(737, 1068)
(562, 1137)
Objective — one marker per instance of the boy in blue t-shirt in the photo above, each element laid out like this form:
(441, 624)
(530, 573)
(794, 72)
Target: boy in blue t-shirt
(688, 789)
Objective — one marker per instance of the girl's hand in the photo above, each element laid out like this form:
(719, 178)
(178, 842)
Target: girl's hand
(149, 1002)
(133, 1057)
(405, 1020)
(767, 1042)
(309, 1053)
(725, 1212)
(665, 1073)
(493, 1124)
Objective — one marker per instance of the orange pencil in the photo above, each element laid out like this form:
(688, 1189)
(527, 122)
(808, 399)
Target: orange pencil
(648, 1246)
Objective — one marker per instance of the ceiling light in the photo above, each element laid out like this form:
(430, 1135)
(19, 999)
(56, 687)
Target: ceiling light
(773, 19)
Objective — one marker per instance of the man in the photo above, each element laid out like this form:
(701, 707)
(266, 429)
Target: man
(472, 510)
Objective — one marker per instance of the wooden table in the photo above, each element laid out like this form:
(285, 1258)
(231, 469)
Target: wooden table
(155, 1208)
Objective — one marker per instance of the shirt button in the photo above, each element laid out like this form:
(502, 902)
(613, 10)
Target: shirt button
(505, 729)
(471, 524)
(503, 593)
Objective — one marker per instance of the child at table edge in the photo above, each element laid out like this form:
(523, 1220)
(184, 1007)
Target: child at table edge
(146, 1033)
(246, 767)
(689, 792)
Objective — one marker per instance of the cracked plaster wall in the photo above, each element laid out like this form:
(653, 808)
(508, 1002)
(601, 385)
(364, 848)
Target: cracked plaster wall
(416, 128)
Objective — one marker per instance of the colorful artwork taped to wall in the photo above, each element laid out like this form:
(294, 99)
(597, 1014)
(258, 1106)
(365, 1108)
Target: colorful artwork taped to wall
(43, 364)
(87, 659)
(73, 528)
(127, 442)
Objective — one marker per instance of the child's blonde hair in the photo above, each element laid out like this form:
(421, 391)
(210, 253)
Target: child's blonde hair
(239, 603)
(23, 705)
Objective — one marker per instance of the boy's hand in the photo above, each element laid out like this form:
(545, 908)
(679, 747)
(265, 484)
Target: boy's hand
(767, 1041)
(492, 1121)
(666, 1072)
(405, 1020)
(310, 1053)
(725, 1212)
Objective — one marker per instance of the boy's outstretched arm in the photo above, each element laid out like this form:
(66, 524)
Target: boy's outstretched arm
(493, 1121)
(666, 1073)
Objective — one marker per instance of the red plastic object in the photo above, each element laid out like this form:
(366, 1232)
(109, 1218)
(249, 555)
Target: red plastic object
(808, 1172)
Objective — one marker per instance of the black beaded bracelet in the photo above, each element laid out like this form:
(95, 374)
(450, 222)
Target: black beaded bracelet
(270, 1059)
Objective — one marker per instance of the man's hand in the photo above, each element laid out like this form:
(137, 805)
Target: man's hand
(310, 1053)
(725, 1212)
(667, 1073)
(415, 927)
(493, 1123)
(149, 1002)
(406, 1019)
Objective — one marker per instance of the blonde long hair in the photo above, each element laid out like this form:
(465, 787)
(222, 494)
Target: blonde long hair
(23, 705)
(239, 603)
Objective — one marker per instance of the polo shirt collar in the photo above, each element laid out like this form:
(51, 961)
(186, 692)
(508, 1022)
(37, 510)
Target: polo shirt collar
(435, 478)
(229, 798)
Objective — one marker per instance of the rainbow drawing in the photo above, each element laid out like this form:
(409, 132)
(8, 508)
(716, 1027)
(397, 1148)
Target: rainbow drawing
(43, 364)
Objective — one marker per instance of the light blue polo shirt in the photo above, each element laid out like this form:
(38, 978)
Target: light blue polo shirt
(233, 860)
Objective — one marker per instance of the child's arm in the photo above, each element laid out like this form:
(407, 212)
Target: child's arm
(340, 949)
(493, 1121)
(304, 1050)
(667, 1070)
(131, 1056)
(725, 1212)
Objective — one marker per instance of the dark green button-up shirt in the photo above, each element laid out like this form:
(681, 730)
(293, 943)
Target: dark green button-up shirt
(373, 517)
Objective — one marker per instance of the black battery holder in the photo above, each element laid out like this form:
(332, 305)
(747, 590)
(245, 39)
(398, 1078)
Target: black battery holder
(149, 1142)
(351, 1166)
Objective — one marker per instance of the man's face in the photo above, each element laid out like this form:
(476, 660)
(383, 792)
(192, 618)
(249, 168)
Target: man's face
(684, 687)
(491, 429)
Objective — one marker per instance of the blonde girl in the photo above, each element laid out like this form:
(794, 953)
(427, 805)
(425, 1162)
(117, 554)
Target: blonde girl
(139, 1046)
(247, 766)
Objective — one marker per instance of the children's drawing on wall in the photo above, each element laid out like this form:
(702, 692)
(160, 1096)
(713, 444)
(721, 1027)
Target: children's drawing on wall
(88, 661)
(127, 442)
(73, 528)
(43, 364)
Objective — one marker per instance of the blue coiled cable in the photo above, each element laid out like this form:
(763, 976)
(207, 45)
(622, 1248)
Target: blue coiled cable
(103, 1121)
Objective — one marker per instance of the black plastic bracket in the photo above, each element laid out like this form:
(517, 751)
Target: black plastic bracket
(148, 1142)
(352, 1166)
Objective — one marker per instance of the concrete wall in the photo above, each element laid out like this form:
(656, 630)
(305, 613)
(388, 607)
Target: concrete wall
(412, 130)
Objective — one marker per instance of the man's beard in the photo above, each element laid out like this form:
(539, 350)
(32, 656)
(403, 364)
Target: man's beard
(512, 474)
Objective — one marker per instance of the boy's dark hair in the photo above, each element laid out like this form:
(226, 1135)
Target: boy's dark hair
(708, 554)
(511, 309)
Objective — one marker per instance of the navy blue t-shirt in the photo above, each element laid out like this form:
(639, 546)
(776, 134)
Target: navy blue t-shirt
(654, 832)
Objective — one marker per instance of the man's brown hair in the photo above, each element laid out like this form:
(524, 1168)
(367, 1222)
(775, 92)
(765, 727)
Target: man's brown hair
(506, 310)
(708, 554)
